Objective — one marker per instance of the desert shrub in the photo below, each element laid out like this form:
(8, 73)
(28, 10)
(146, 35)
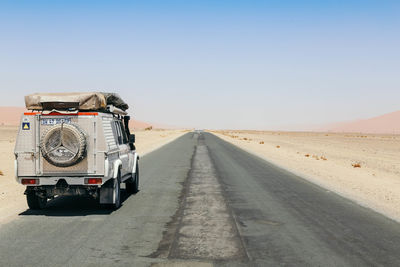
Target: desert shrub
(356, 165)
(307, 155)
(148, 128)
(1, 173)
(278, 146)
(262, 142)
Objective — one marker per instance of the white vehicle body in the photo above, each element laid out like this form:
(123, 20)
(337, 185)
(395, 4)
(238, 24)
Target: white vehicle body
(109, 156)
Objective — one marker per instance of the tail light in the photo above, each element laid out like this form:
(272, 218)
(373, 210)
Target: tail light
(93, 180)
(30, 181)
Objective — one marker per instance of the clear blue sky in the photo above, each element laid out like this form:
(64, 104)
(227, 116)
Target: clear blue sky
(209, 64)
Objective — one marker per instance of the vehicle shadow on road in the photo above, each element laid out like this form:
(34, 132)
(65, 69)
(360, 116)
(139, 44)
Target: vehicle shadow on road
(74, 206)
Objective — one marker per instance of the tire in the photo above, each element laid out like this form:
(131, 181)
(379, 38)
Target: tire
(132, 184)
(63, 145)
(117, 193)
(136, 189)
(35, 202)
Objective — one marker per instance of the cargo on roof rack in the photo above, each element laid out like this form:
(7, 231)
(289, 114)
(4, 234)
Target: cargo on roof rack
(74, 101)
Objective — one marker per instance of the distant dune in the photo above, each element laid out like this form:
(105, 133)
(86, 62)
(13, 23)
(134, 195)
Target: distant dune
(384, 124)
(12, 116)
(137, 125)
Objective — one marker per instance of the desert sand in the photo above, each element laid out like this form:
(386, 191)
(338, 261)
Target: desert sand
(147, 141)
(12, 198)
(362, 167)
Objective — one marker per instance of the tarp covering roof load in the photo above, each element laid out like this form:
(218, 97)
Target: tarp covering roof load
(79, 101)
(115, 100)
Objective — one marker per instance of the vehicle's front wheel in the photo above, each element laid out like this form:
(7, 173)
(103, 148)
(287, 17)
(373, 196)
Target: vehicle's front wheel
(132, 184)
(34, 201)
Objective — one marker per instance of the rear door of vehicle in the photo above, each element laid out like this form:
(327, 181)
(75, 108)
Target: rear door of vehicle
(26, 148)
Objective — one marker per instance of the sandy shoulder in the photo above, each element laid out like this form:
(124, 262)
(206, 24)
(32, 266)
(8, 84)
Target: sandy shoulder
(329, 159)
(148, 141)
(12, 198)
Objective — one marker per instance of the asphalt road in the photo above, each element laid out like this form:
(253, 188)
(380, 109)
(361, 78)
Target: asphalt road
(204, 201)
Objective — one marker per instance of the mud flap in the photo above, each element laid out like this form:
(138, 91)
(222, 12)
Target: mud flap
(107, 192)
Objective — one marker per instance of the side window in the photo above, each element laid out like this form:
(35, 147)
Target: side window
(123, 132)
(118, 131)
(121, 135)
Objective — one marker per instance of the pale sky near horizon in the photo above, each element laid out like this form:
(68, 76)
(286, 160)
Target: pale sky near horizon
(209, 64)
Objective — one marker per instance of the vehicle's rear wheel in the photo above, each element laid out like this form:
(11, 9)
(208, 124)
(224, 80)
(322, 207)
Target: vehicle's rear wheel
(117, 193)
(136, 189)
(34, 201)
(132, 184)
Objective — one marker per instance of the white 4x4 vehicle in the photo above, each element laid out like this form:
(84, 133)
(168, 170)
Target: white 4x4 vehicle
(76, 144)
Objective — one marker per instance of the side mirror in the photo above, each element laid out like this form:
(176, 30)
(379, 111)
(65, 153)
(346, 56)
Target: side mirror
(132, 138)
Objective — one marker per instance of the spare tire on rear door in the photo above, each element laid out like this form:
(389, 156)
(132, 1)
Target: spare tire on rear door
(63, 145)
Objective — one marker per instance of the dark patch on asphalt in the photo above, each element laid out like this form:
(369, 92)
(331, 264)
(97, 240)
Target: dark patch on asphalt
(203, 227)
(169, 235)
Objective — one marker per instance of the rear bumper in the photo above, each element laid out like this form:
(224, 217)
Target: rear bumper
(75, 181)
(70, 190)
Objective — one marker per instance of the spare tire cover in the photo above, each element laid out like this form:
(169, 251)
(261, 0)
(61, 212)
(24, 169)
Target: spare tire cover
(63, 145)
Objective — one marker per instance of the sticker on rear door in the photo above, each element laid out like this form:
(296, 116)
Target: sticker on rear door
(26, 126)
